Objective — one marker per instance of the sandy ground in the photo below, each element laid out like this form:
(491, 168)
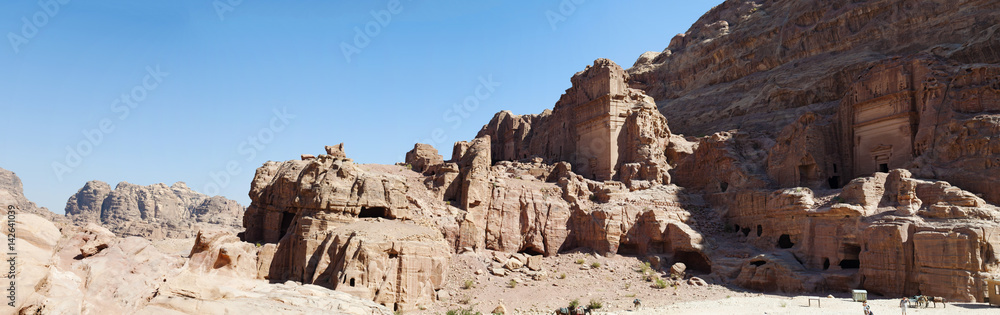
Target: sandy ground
(617, 282)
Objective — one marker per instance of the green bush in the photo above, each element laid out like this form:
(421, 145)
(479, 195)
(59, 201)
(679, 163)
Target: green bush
(467, 311)
(595, 304)
(468, 284)
(574, 303)
(660, 284)
(580, 261)
(595, 265)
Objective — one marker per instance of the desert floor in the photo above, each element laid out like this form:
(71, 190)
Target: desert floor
(618, 281)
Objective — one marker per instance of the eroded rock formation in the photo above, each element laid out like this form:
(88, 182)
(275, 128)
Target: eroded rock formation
(11, 189)
(603, 128)
(90, 270)
(153, 212)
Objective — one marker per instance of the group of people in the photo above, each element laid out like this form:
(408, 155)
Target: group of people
(903, 304)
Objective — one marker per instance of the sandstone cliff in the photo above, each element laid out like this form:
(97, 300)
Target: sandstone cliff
(11, 189)
(154, 212)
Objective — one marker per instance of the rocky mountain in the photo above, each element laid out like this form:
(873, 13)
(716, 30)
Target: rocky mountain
(831, 145)
(155, 211)
(12, 190)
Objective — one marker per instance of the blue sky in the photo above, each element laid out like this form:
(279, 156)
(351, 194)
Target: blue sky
(205, 92)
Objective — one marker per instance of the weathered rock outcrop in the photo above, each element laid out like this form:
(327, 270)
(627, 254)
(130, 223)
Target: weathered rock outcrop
(340, 226)
(12, 190)
(890, 234)
(603, 128)
(760, 64)
(90, 270)
(153, 212)
(283, 193)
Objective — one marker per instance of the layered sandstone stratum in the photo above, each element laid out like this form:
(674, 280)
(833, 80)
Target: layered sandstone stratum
(830, 145)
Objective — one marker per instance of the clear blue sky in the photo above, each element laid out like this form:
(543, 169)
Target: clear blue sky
(200, 79)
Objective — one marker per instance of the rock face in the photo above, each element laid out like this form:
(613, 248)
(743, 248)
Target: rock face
(90, 270)
(12, 190)
(761, 64)
(844, 141)
(339, 226)
(890, 234)
(284, 193)
(154, 212)
(603, 128)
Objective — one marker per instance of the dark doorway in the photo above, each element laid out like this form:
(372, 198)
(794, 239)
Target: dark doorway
(884, 168)
(373, 212)
(826, 263)
(628, 249)
(850, 264)
(760, 230)
(694, 261)
(352, 282)
(723, 186)
(736, 227)
(834, 182)
(286, 222)
(784, 241)
(806, 174)
(851, 257)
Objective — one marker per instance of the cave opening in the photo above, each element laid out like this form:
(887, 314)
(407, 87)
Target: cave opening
(286, 222)
(746, 231)
(374, 212)
(850, 264)
(723, 186)
(760, 230)
(834, 182)
(758, 263)
(628, 249)
(736, 227)
(785, 241)
(352, 282)
(694, 261)
(806, 173)
(532, 251)
(884, 168)
(851, 258)
(826, 263)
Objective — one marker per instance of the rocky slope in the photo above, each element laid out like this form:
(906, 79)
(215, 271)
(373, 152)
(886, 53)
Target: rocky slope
(89, 270)
(762, 63)
(11, 189)
(153, 212)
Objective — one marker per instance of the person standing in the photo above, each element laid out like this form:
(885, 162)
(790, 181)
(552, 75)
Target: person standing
(866, 308)
(903, 303)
